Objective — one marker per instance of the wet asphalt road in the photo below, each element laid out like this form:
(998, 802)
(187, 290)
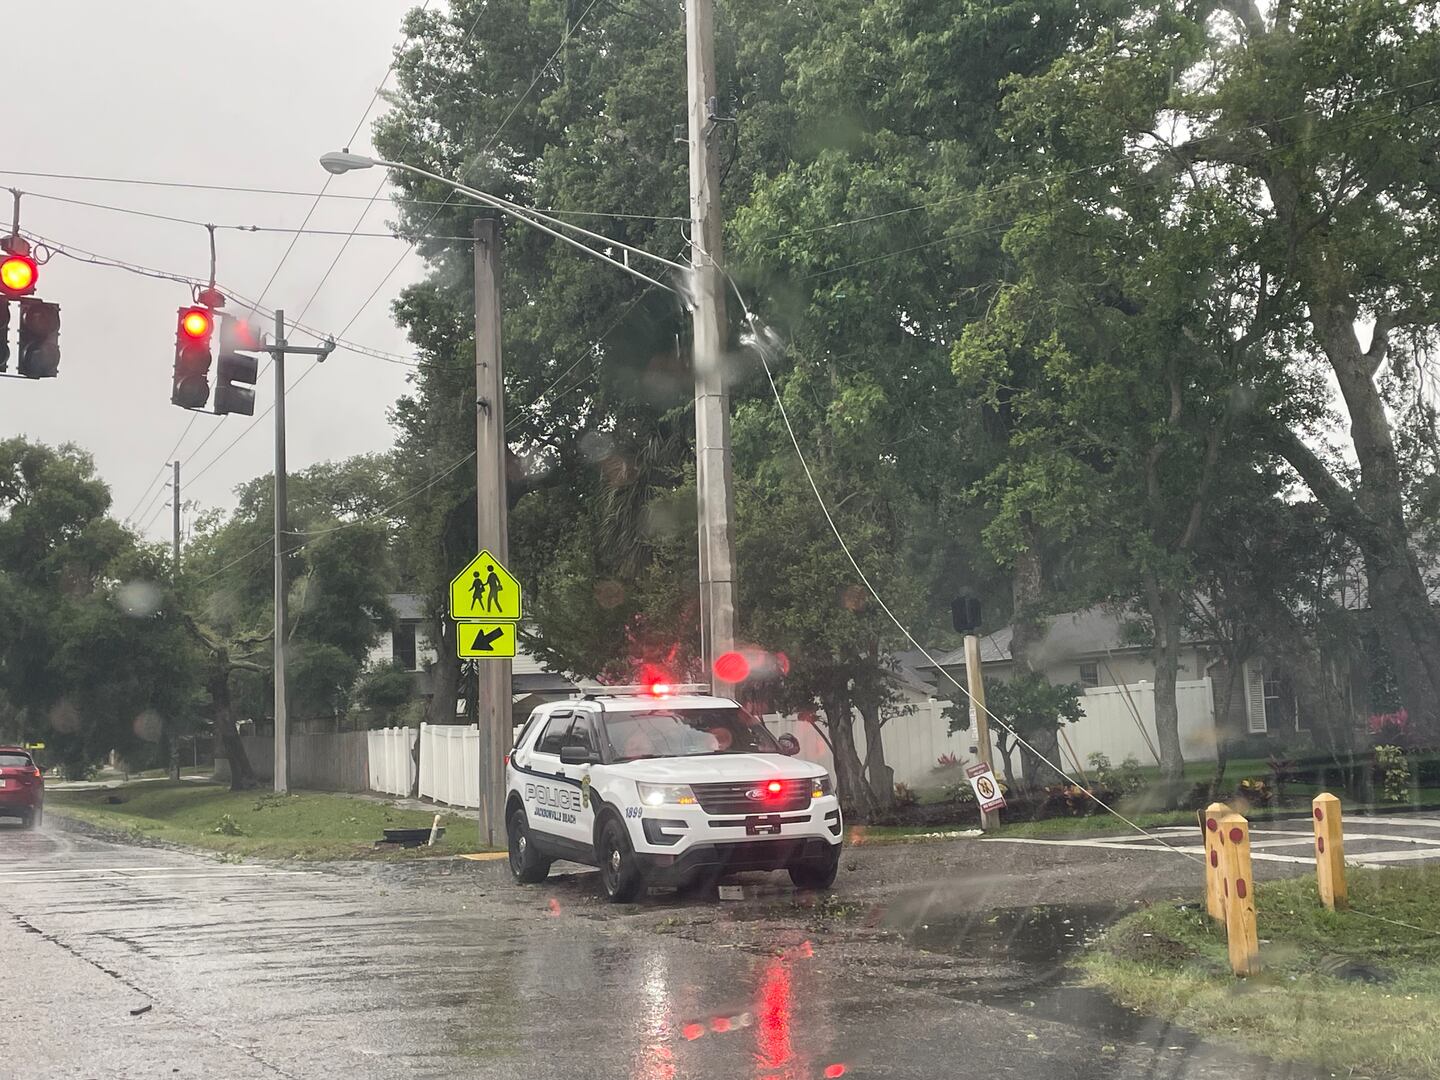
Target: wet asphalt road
(927, 961)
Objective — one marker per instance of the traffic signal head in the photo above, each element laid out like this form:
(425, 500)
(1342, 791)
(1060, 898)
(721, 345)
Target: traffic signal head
(18, 275)
(191, 386)
(236, 367)
(39, 339)
(4, 335)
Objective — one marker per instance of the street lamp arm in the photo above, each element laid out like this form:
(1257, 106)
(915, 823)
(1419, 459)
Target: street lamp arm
(530, 218)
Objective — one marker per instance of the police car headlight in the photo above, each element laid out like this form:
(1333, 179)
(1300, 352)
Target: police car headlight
(820, 787)
(666, 794)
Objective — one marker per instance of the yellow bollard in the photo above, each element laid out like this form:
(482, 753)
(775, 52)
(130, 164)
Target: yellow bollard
(1238, 887)
(1214, 874)
(1329, 851)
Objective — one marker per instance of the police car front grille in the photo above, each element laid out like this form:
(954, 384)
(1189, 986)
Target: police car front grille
(736, 798)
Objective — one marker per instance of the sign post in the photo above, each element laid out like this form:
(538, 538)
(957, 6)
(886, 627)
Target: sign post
(485, 603)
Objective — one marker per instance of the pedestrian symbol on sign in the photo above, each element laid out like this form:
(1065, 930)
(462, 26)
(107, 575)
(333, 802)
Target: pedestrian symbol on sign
(987, 788)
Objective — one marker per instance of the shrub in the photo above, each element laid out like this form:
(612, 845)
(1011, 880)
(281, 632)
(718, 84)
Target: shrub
(947, 763)
(1394, 772)
(1256, 791)
(961, 793)
(905, 797)
(1128, 778)
(228, 826)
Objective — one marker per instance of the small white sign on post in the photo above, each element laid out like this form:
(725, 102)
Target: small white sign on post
(987, 788)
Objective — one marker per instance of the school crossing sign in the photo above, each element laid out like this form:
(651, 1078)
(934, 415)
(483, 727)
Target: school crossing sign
(485, 592)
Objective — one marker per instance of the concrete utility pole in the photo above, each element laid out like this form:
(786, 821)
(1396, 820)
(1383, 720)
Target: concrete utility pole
(494, 696)
(175, 518)
(712, 403)
(277, 353)
(978, 716)
(282, 714)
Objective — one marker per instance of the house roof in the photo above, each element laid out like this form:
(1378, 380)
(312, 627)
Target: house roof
(913, 672)
(408, 607)
(1094, 631)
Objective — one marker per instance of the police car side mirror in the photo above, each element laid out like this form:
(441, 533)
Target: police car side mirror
(576, 755)
(789, 745)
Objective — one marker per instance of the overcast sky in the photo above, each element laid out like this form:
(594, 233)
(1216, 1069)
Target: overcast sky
(246, 94)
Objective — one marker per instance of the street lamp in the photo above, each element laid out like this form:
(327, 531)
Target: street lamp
(342, 161)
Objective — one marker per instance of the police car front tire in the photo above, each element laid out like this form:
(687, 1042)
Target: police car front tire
(620, 874)
(527, 865)
(817, 875)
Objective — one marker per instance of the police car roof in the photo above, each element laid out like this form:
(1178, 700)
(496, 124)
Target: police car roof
(652, 702)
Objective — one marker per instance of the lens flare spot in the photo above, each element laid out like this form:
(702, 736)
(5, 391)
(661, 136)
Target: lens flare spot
(732, 667)
(720, 1023)
(691, 1032)
(554, 908)
(834, 1071)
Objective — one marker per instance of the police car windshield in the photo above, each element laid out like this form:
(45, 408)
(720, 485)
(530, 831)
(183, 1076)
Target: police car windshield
(686, 733)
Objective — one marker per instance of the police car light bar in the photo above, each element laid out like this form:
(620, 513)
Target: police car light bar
(654, 689)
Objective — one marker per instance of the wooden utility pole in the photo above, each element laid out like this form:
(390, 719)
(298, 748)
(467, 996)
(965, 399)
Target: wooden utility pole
(494, 696)
(713, 484)
(979, 718)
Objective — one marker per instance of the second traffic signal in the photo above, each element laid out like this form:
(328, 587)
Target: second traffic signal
(235, 377)
(191, 386)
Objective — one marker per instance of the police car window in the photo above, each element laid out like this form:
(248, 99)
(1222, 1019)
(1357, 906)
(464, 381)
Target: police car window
(554, 735)
(524, 729)
(686, 733)
(582, 733)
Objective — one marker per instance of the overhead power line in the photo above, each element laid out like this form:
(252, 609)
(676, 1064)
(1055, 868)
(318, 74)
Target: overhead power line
(238, 189)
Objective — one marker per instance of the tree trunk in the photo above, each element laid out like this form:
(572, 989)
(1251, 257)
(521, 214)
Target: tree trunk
(1373, 514)
(174, 753)
(1164, 605)
(242, 775)
(1222, 737)
(854, 792)
(444, 675)
(1028, 628)
(882, 777)
(1007, 766)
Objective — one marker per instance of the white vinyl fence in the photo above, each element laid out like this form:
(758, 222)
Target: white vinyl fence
(392, 766)
(1112, 725)
(450, 764)
(1116, 716)
(914, 744)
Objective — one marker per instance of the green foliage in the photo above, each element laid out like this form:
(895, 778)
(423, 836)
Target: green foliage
(93, 651)
(340, 571)
(1394, 773)
(1027, 703)
(1127, 779)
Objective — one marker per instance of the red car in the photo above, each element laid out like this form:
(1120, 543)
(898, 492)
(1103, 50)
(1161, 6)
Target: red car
(22, 786)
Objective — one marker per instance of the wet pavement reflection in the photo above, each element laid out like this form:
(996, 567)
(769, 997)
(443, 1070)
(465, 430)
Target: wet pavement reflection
(448, 969)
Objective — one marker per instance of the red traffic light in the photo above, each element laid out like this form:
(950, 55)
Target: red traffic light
(196, 323)
(18, 275)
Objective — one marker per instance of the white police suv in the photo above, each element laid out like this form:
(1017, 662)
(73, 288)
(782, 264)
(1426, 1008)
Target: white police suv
(663, 785)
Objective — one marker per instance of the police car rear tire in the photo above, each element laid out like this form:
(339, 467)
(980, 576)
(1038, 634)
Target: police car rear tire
(817, 875)
(527, 865)
(620, 874)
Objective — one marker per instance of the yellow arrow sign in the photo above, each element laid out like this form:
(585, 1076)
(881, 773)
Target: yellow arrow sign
(485, 641)
(485, 590)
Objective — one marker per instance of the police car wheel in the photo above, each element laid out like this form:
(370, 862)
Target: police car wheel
(527, 865)
(620, 875)
(817, 875)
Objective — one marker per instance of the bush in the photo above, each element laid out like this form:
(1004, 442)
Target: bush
(1256, 791)
(905, 797)
(1394, 773)
(961, 793)
(228, 826)
(1072, 800)
(1125, 780)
